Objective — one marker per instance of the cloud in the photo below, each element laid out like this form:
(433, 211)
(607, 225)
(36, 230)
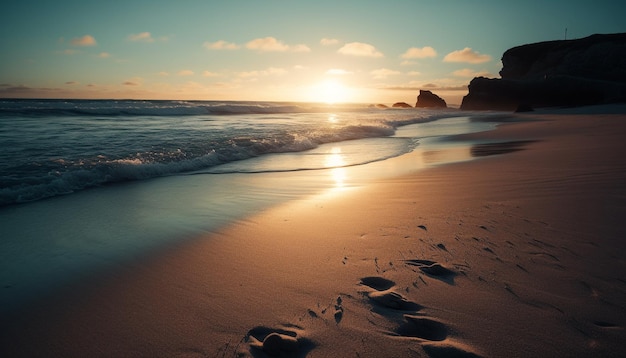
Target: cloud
(86, 40)
(272, 71)
(68, 52)
(209, 74)
(267, 44)
(141, 37)
(220, 45)
(466, 55)
(338, 72)
(466, 72)
(131, 83)
(185, 73)
(163, 73)
(359, 49)
(429, 86)
(384, 73)
(415, 52)
(329, 42)
(414, 73)
(22, 90)
(301, 48)
(70, 83)
(104, 55)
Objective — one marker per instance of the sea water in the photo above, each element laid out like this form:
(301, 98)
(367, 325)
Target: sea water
(86, 185)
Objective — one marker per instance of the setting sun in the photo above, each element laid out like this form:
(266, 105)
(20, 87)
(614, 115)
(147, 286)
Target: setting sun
(330, 91)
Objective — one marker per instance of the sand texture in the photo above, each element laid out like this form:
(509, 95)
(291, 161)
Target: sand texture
(515, 255)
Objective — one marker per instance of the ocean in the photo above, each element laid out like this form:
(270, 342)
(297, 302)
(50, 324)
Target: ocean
(87, 185)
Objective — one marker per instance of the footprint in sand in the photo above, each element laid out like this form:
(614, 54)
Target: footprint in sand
(432, 333)
(422, 327)
(338, 310)
(435, 335)
(277, 342)
(384, 297)
(393, 300)
(448, 350)
(377, 283)
(434, 270)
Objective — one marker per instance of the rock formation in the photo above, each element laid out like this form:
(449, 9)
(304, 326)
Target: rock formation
(585, 71)
(427, 99)
(401, 105)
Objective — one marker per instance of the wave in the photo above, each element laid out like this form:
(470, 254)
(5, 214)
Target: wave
(131, 108)
(65, 176)
(62, 155)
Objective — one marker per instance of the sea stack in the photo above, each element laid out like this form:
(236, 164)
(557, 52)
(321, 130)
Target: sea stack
(427, 99)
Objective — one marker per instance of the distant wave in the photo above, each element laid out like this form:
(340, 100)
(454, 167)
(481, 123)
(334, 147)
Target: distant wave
(150, 108)
(83, 143)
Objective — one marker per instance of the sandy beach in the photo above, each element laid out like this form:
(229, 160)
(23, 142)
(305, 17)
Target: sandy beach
(514, 255)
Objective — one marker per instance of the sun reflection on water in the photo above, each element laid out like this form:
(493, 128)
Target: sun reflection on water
(335, 161)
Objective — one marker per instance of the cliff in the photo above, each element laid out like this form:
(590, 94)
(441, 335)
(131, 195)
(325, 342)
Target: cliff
(585, 71)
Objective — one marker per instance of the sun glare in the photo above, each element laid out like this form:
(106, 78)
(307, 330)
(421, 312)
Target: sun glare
(335, 161)
(330, 91)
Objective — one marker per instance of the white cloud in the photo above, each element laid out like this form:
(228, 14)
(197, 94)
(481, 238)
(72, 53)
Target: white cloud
(185, 73)
(301, 48)
(329, 42)
(466, 72)
(267, 44)
(209, 74)
(272, 71)
(338, 72)
(382, 73)
(220, 45)
(86, 40)
(466, 55)
(415, 52)
(141, 37)
(359, 49)
(135, 81)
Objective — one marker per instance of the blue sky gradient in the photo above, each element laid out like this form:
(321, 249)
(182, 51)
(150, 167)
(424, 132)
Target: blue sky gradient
(273, 50)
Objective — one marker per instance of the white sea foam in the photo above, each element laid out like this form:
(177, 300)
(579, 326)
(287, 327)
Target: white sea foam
(55, 147)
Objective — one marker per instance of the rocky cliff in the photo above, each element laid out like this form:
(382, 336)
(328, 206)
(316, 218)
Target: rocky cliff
(585, 71)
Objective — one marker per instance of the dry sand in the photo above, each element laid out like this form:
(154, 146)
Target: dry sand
(516, 255)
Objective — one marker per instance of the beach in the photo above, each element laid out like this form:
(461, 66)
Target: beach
(517, 254)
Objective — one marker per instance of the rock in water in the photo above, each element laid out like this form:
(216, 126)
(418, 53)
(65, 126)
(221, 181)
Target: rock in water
(401, 105)
(427, 99)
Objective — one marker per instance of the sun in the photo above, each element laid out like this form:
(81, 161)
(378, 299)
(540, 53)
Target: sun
(330, 91)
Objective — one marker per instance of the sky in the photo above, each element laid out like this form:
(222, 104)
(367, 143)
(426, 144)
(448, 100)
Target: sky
(275, 50)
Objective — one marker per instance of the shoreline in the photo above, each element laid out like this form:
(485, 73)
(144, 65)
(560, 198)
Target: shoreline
(512, 255)
(54, 242)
